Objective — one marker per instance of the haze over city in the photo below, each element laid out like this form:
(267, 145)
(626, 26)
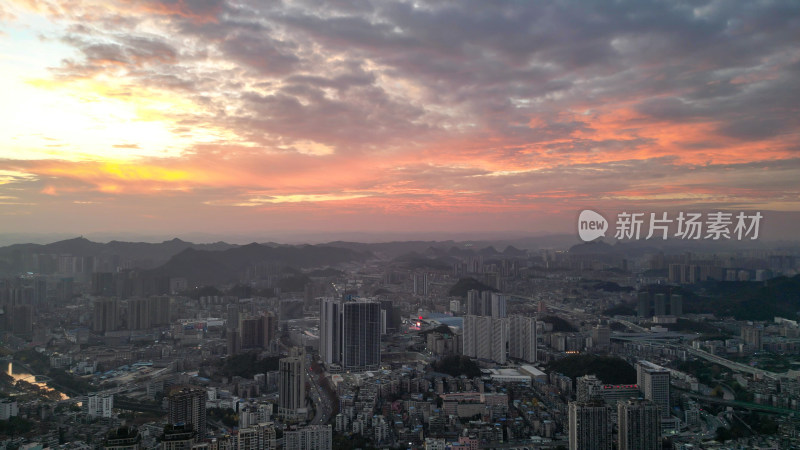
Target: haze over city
(303, 120)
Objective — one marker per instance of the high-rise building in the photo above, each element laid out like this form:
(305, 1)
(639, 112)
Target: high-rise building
(257, 437)
(350, 334)
(178, 437)
(187, 405)
(485, 337)
(676, 304)
(393, 319)
(361, 335)
(330, 339)
(486, 303)
(138, 314)
(639, 425)
(100, 405)
(421, 283)
(8, 409)
(644, 305)
(312, 437)
(103, 284)
(660, 303)
(232, 319)
(590, 425)
(159, 307)
(106, 315)
(752, 336)
(653, 380)
(498, 305)
(256, 331)
(474, 306)
(122, 438)
(589, 387)
(615, 393)
(22, 320)
(601, 337)
(455, 306)
(292, 385)
(522, 338)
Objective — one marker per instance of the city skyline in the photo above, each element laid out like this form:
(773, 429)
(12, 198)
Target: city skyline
(293, 119)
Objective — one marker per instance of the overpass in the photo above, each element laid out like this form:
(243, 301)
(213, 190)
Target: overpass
(743, 405)
(739, 367)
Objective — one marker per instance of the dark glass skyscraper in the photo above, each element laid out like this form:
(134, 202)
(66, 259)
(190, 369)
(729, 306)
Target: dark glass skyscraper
(351, 334)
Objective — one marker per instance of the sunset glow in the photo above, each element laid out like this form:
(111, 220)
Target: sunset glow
(210, 116)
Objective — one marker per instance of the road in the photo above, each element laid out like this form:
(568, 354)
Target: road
(324, 404)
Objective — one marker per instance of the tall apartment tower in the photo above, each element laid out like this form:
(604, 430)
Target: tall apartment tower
(422, 282)
(256, 331)
(644, 305)
(639, 425)
(498, 302)
(474, 305)
(187, 405)
(485, 338)
(106, 315)
(752, 336)
(160, 310)
(660, 304)
(292, 385)
(311, 437)
(361, 335)
(653, 380)
(330, 339)
(261, 437)
(138, 314)
(676, 304)
(486, 303)
(522, 338)
(590, 425)
(350, 334)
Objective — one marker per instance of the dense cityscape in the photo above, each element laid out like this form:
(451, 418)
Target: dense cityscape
(399, 224)
(435, 345)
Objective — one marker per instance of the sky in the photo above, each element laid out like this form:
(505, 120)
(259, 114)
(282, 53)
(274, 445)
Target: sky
(284, 118)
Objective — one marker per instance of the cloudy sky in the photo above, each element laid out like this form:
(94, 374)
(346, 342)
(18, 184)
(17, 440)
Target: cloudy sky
(271, 117)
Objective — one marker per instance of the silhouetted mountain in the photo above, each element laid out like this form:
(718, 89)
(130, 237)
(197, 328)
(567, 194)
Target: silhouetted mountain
(390, 250)
(597, 247)
(513, 251)
(415, 260)
(488, 251)
(154, 253)
(610, 370)
(327, 272)
(216, 267)
(460, 252)
(748, 300)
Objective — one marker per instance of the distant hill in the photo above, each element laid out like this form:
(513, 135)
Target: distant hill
(12, 257)
(559, 324)
(749, 300)
(217, 267)
(326, 272)
(415, 260)
(610, 370)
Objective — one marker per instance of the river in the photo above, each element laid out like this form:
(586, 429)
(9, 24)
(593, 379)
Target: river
(22, 374)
